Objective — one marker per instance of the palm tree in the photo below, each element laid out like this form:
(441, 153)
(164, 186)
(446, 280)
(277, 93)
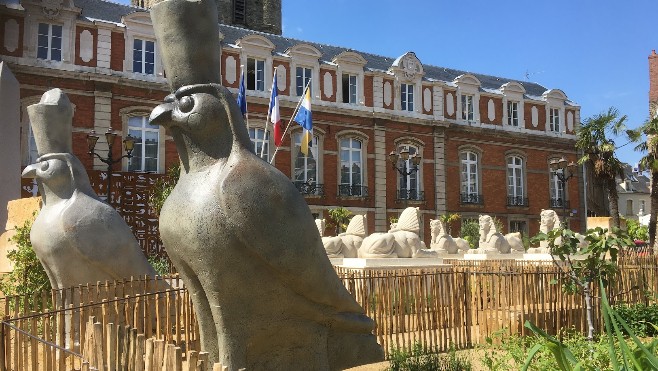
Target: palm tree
(599, 152)
(650, 162)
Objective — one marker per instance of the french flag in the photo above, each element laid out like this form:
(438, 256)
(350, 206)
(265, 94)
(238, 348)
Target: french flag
(275, 116)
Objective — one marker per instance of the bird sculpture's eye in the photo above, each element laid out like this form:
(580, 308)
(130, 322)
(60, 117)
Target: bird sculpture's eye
(185, 104)
(44, 166)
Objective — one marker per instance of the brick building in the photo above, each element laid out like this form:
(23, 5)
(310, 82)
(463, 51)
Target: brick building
(485, 141)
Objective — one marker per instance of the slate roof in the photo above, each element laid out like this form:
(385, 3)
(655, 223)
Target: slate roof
(109, 11)
(640, 183)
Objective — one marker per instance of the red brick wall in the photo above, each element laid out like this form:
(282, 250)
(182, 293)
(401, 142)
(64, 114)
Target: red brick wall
(498, 109)
(368, 90)
(94, 35)
(454, 104)
(334, 85)
(118, 51)
(422, 94)
(394, 94)
(541, 115)
(285, 83)
(225, 82)
(19, 49)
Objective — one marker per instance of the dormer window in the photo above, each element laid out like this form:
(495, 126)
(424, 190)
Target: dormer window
(467, 108)
(349, 88)
(144, 57)
(255, 74)
(303, 77)
(407, 97)
(513, 113)
(49, 41)
(554, 119)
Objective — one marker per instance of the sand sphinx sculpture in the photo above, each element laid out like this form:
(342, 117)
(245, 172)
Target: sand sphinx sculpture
(492, 241)
(548, 221)
(264, 301)
(346, 244)
(77, 237)
(442, 242)
(401, 241)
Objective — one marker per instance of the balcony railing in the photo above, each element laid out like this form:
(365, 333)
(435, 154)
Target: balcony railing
(559, 203)
(471, 198)
(348, 190)
(310, 189)
(411, 194)
(517, 201)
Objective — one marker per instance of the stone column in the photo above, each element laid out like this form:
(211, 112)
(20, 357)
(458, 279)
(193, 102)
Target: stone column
(104, 50)
(440, 171)
(381, 162)
(102, 122)
(10, 139)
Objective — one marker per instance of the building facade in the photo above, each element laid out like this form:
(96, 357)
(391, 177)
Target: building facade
(485, 142)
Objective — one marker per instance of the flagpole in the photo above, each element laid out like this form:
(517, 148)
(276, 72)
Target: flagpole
(267, 120)
(291, 119)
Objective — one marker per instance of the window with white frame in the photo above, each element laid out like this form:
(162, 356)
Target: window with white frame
(349, 88)
(469, 177)
(146, 154)
(255, 74)
(554, 119)
(556, 190)
(515, 194)
(261, 140)
(513, 113)
(409, 186)
(642, 206)
(351, 169)
(303, 78)
(49, 42)
(467, 107)
(144, 56)
(407, 97)
(306, 167)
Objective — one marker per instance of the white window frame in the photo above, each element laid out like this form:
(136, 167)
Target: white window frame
(469, 175)
(414, 179)
(555, 187)
(49, 38)
(513, 113)
(143, 128)
(297, 138)
(142, 64)
(407, 97)
(515, 177)
(253, 82)
(306, 74)
(352, 88)
(351, 150)
(467, 107)
(554, 119)
(259, 140)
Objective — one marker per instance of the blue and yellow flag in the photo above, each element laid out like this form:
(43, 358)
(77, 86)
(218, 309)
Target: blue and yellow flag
(304, 118)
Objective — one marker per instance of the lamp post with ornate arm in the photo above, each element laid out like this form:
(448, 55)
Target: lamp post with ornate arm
(563, 172)
(128, 145)
(405, 171)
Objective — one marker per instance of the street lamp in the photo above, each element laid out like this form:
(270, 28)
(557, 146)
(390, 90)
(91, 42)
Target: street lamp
(563, 172)
(128, 145)
(394, 158)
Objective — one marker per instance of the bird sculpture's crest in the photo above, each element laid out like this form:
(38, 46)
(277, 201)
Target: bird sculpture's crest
(51, 122)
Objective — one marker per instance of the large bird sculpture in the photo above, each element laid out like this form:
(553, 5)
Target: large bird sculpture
(236, 228)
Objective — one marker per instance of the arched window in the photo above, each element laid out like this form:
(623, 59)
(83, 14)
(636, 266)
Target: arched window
(409, 185)
(305, 175)
(470, 180)
(557, 191)
(351, 168)
(260, 138)
(146, 155)
(515, 182)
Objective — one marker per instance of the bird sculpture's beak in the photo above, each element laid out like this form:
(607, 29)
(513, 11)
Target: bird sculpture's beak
(30, 171)
(161, 115)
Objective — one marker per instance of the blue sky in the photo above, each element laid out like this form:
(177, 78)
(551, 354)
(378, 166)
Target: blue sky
(595, 51)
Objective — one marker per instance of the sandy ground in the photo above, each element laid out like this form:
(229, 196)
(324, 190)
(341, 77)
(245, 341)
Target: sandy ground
(473, 354)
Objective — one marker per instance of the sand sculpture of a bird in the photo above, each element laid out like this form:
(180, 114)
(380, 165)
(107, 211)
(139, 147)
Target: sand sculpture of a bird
(77, 237)
(236, 228)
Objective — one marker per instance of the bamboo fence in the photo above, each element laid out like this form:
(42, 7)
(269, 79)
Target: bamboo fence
(458, 306)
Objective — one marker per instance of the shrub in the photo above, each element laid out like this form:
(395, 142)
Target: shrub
(162, 188)
(640, 318)
(470, 231)
(339, 217)
(160, 264)
(421, 359)
(28, 275)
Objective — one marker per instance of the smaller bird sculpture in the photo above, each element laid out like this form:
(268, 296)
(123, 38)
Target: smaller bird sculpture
(77, 237)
